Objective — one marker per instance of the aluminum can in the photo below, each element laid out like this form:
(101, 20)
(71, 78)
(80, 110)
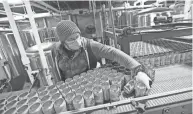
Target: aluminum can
(21, 103)
(140, 89)
(105, 79)
(60, 105)
(75, 87)
(33, 100)
(84, 83)
(12, 98)
(2, 111)
(36, 109)
(56, 96)
(53, 91)
(162, 59)
(3, 101)
(183, 57)
(97, 82)
(23, 110)
(114, 93)
(32, 94)
(44, 88)
(58, 84)
(106, 91)
(177, 58)
(89, 98)
(173, 55)
(71, 83)
(63, 86)
(129, 87)
(167, 59)
(45, 98)
(23, 95)
(69, 100)
(11, 104)
(80, 91)
(42, 94)
(152, 60)
(51, 87)
(68, 80)
(11, 111)
(65, 91)
(48, 108)
(2, 106)
(78, 102)
(98, 95)
(89, 86)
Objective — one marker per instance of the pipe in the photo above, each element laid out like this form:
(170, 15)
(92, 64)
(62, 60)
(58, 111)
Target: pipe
(113, 25)
(45, 69)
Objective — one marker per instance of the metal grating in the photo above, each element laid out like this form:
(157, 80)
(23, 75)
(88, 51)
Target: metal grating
(167, 79)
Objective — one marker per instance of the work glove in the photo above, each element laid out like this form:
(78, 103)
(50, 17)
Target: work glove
(144, 78)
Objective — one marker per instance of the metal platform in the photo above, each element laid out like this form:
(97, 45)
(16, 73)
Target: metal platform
(167, 79)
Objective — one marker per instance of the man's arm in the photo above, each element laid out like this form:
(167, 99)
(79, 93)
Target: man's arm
(111, 53)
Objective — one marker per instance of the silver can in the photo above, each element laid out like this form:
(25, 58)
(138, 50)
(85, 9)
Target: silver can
(56, 96)
(22, 102)
(75, 87)
(89, 87)
(33, 100)
(63, 86)
(53, 91)
(2, 106)
(89, 98)
(177, 58)
(114, 93)
(36, 109)
(58, 84)
(98, 94)
(65, 91)
(12, 98)
(140, 89)
(80, 91)
(68, 80)
(11, 111)
(106, 91)
(32, 94)
(69, 100)
(11, 104)
(78, 102)
(3, 101)
(2, 111)
(23, 95)
(51, 87)
(71, 83)
(84, 83)
(44, 88)
(60, 105)
(23, 110)
(42, 94)
(48, 108)
(45, 98)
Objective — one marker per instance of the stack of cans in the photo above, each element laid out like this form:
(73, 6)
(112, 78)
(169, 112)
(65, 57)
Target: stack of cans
(161, 52)
(95, 87)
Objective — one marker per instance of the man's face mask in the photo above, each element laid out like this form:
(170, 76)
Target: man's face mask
(73, 42)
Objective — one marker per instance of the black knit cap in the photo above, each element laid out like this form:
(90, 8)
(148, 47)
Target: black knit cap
(65, 28)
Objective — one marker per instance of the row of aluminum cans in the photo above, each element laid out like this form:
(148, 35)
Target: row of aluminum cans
(157, 46)
(165, 59)
(94, 87)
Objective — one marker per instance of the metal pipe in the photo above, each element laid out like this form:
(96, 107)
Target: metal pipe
(24, 58)
(45, 69)
(112, 20)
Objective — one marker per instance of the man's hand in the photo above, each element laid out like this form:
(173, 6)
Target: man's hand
(142, 77)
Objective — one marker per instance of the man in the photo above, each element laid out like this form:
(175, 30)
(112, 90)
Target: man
(75, 54)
